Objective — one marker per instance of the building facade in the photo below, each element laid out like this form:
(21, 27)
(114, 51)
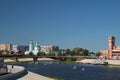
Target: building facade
(46, 49)
(113, 51)
(6, 48)
(19, 49)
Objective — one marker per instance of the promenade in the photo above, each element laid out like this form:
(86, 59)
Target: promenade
(34, 76)
(29, 75)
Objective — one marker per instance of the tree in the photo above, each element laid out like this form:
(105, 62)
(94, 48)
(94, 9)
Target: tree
(73, 53)
(98, 54)
(51, 53)
(0, 52)
(12, 52)
(41, 54)
(77, 51)
(67, 52)
(85, 52)
(31, 54)
(80, 52)
(91, 54)
(59, 53)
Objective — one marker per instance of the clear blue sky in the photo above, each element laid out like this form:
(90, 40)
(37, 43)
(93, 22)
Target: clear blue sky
(66, 23)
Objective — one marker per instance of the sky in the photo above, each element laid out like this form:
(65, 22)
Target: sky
(64, 23)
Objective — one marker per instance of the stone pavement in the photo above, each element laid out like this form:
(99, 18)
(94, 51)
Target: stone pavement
(34, 76)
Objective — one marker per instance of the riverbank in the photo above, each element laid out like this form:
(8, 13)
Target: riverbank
(88, 61)
(27, 59)
(29, 75)
(19, 70)
(34, 76)
(38, 76)
(66, 71)
(110, 62)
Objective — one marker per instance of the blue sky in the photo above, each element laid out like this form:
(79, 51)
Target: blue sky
(65, 23)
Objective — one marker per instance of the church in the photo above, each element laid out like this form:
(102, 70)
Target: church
(33, 48)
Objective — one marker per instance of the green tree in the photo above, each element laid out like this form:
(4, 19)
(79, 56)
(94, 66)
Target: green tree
(85, 52)
(73, 53)
(0, 52)
(98, 54)
(31, 54)
(41, 54)
(51, 53)
(67, 52)
(91, 54)
(77, 51)
(12, 52)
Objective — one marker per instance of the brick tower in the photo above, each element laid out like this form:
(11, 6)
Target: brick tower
(111, 44)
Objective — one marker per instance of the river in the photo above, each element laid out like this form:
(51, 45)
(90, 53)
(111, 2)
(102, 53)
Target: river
(80, 72)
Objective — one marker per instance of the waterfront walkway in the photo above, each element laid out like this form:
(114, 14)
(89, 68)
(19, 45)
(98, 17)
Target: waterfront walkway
(29, 75)
(18, 71)
(34, 76)
(111, 62)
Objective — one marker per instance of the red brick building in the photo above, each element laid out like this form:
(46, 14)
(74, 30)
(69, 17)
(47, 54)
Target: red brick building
(113, 51)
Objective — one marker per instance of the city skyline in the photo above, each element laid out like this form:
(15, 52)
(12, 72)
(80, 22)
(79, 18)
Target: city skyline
(65, 23)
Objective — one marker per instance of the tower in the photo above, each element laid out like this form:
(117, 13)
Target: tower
(31, 46)
(36, 48)
(111, 44)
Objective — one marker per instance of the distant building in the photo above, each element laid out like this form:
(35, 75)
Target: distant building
(6, 48)
(113, 51)
(104, 54)
(19, 49)
(33, 48)
(46, 49)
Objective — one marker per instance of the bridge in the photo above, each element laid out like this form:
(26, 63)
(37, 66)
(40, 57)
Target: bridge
(35, 58)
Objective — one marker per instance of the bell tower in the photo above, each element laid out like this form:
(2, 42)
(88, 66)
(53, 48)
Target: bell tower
(111, 44)
(31, 46)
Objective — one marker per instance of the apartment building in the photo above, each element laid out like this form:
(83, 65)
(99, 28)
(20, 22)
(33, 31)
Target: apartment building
(46, 49)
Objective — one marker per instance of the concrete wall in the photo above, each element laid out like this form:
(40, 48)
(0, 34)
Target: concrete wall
(13, 72)
(3, 67)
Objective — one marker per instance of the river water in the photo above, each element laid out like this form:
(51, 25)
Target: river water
(81, 71)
